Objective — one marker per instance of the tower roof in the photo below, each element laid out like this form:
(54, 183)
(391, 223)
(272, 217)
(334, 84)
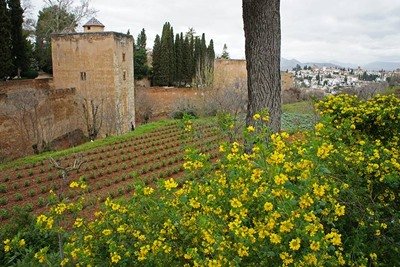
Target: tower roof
(93, 22)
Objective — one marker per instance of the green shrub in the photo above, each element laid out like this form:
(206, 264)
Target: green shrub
(328, 197)
(30, 74)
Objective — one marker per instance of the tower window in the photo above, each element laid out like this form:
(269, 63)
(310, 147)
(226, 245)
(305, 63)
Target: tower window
(88, 27)
(123, 57)
(83, 76)
(124, 75)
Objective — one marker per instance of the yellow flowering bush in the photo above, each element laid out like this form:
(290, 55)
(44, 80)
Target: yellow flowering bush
(329, 197)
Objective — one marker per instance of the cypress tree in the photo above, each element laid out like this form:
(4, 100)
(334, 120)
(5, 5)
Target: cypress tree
(171, 57)
(211, 51)
(192, 59)
(210, 63)
(186, 71)
(179, 59)
(19, 52)
(197, 61)
(166, 56)
(6, 64)
(140, 56)
(157, 61)
(141, 40)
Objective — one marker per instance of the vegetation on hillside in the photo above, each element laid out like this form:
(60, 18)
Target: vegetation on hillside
(329, 197)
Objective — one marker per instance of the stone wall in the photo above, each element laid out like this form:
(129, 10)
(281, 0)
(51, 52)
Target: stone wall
(33, 113)
(231, 72)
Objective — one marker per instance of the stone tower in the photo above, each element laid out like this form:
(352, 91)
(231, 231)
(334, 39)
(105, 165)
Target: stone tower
(99, 64)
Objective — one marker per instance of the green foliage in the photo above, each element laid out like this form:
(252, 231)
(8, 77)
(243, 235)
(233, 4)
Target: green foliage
(181, 60)
(140, 57)
(50, 20)
(329, 197)
(225, 53)
(30, 74)
(140, 64)
(6, 62)
(19, 42)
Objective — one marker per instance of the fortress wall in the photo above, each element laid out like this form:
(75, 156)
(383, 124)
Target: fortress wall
(32, 108)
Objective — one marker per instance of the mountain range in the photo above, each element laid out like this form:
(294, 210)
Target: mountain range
(289, 64)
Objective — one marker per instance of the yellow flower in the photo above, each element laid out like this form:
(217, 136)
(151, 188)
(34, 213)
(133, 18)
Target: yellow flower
(281, 179)
(373, 256)
(148, 191)
(107, 232)
(276, 158)
(251, 129)
(21, 243)
(88, 238)
(170, 184)
(306, 201)
(314, 246)
(286, 226)
(319, 126)
(256, 116)
(335, 238)
(339, 210)
(235, 203)
(74, 184)
(194, 203)
(221, 148)
(78, 222)
(275, 239)
(41, 255)
(268, 206)
(115, 258)
(318, 190)
(286, 258)
(324, 150)
(295, 244)
(7, 246)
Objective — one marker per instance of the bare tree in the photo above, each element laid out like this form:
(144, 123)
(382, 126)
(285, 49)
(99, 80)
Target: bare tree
(92, 114)
(262, 29)
(144, 106)
(79, 11)
(28, 112)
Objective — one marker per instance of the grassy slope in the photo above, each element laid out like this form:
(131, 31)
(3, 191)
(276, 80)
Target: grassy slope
(86, 146)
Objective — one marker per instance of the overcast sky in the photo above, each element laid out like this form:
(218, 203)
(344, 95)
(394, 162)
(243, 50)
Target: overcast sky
(354, 31)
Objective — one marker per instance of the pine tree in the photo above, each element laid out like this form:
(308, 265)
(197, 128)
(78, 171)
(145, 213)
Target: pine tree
(186, 69)
(6, 64)
(19, 53)
(209, 68)
(157, 61)
(141, 40)
(178, 59)
(140, 56)
(225, 54)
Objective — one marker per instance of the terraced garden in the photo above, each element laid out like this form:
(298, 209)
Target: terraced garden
(109, 170)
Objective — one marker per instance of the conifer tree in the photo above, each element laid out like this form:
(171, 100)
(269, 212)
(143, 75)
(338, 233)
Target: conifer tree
(140, 56)
(19, 51)
(178, 59)
(141, 41)
(157, 60)
(186, 58)
(6, 64)
(225, 54)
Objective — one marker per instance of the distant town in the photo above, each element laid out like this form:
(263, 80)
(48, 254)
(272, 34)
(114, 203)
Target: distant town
(334, 79)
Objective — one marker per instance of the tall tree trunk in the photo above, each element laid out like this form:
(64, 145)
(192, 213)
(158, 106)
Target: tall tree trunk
(262, 29)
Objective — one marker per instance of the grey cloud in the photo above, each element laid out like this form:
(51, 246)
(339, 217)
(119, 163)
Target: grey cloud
(355, 31)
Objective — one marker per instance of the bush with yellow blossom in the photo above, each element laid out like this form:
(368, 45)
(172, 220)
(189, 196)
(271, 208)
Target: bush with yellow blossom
(327, 198)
